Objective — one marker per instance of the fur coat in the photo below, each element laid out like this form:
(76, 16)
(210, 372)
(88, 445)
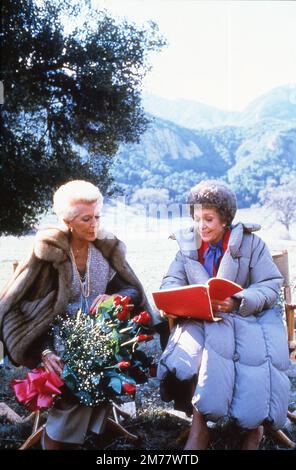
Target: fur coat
(40, 287)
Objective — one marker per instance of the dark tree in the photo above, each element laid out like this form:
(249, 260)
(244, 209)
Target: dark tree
(70, 98)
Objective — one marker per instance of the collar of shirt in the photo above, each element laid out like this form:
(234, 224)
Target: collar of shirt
(205, 246)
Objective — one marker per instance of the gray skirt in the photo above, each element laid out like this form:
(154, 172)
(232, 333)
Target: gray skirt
(71, 423)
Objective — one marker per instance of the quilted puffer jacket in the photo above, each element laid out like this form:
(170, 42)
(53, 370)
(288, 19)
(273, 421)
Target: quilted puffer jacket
(240, 362)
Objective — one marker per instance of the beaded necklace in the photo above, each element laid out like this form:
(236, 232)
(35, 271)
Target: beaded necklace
(85, 279)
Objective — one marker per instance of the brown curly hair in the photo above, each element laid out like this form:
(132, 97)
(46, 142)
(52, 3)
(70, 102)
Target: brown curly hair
(214, 194)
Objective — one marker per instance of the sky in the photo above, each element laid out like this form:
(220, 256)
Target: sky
(221, 53)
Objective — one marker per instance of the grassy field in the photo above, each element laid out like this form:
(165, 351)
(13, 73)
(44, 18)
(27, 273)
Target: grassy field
(149, 252)
(148, 248)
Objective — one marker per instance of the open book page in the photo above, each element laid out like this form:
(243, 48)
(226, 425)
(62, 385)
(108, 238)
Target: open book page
(220, 288)
(194, 301)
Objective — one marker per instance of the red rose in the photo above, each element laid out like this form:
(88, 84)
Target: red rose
(118, 300)
(122, 302)
(143, 318)
(142, 338)
(129, 388)
(124, 364)
(123, 314)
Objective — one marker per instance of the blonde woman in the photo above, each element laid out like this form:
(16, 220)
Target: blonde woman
(70, 267)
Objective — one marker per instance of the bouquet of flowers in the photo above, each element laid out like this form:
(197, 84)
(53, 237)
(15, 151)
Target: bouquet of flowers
(101, 355)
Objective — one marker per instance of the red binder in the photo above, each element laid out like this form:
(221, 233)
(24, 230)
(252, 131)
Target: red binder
(194, 300)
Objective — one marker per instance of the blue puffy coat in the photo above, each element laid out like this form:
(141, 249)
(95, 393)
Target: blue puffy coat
(240, 362)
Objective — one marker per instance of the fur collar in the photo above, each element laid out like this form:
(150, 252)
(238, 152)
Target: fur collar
(53, 244)
(37, 293)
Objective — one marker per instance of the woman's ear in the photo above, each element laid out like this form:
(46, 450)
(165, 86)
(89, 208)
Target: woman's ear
(224, 222)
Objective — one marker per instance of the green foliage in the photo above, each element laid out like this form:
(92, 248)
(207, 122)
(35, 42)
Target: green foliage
(175, 159)
(69, 99)
(266, 154)
(100, 352)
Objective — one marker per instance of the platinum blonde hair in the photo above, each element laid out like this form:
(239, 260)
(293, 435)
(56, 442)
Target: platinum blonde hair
(69, 195)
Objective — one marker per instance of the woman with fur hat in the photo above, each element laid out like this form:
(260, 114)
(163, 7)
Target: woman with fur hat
(76, 266)
(234, 368)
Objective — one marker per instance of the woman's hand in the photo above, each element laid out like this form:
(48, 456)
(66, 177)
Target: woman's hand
(167, 315)
(225, 306)
(98, 300)
(53, 363)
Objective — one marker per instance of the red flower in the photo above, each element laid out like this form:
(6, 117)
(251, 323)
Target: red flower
(124, 364)
(118, 300)
(141, 338)
(123, 303)
(38, 389)
(143, 318)
(129, 388)
(122, 315)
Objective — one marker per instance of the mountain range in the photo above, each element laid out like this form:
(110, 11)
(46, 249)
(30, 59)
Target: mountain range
(187, 142)
(279, 103)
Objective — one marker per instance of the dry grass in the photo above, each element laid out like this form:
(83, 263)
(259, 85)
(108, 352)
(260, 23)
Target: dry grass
(150, 254)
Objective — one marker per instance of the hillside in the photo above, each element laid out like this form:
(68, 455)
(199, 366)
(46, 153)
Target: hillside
(175, 158)
(167, 151)
(278, 104)
(186, 113)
